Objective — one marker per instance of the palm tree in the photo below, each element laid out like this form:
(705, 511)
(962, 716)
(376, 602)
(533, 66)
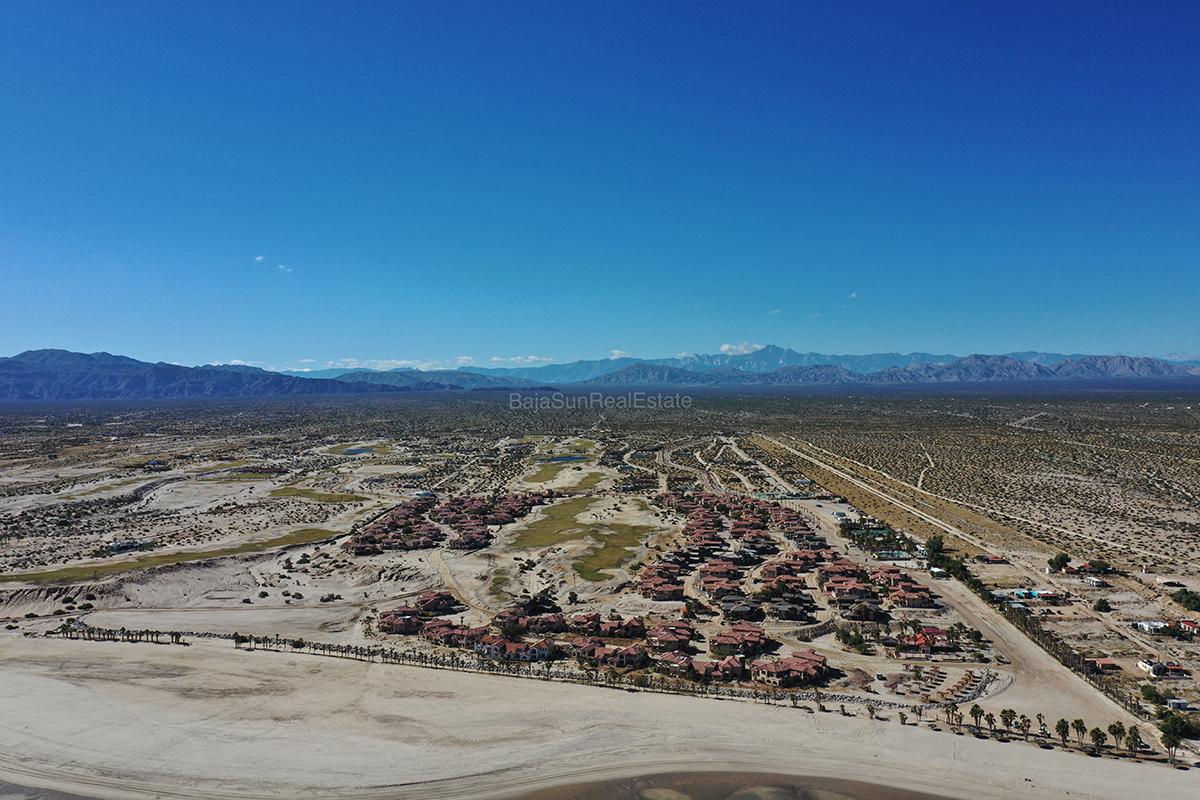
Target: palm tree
(871, 708)
(1171, 740)
(1117, 731)
(1133, 739)
(1080, 728)
(1063, 729)
(1099, 737)
(951, 709)
(1041, 718)
(903, 717)
(990, 719)
(1023, 725)
(919, 710)
(977, 714)
(1008, 717)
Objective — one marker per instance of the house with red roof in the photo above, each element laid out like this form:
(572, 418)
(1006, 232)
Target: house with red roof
(799, 668)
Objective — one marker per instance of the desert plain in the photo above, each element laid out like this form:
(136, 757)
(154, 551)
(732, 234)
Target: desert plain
(218, 520)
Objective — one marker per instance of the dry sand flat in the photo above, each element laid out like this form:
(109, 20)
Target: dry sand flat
(120, 720)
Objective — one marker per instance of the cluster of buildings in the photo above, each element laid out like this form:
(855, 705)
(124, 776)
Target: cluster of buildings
(1183, 627)
(419, 523)
(605, 643)
(727, 543)
(722, 557)
(1163, 669)
(847, 583)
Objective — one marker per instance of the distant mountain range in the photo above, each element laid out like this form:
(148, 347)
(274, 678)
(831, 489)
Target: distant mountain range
(63, 375)
(765, 359)
(972, 369)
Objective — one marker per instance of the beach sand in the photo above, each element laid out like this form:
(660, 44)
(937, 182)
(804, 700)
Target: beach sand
(116, 720)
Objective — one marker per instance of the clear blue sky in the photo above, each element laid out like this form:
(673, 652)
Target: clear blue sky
(299, 183)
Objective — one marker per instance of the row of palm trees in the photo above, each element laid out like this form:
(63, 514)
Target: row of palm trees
(546, 670)
(1130, 737)
(77, 630)
(1075, 661)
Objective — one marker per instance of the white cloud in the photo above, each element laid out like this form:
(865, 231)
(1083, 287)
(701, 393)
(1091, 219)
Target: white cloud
(685, 355)
(620, 354)
(307, 361)
(776, 311)
(236, 362)
(260, 258)
(814, 314)
(854, 294)
(523, 360)
(464, 361)
(742, 349)
(384, 364)
(282, 268)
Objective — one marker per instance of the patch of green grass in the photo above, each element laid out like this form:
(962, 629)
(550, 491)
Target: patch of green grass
(304, 536)
(320, 497)
(108, 486)
(590, 481)
(558, 524)
(498, 580)
(616, 543)
(238, 477)
(376, 449)
(548, 471)
(227, 465)
(388, 462)
(582, 446)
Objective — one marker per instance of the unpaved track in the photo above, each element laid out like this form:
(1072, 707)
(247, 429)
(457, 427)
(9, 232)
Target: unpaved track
(1041, 684)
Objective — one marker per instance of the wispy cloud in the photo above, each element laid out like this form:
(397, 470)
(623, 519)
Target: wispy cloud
(685, 355)
(307, 361)
(621, 354)
(776, 311)
(745, 348)
(854, 294)
(814, 314)
(523, 360)
(282, 268)
(260, 258)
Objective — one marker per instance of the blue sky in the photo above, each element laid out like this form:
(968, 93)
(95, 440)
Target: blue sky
(305, 184)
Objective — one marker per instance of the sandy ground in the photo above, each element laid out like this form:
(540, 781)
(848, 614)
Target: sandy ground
(138, 720)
